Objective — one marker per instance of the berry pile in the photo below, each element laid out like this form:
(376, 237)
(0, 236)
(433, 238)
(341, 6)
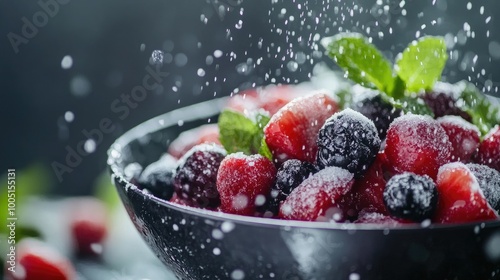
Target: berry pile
(319, 163)
(393, 155)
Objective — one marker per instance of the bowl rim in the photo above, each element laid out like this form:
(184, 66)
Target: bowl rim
(211, 108)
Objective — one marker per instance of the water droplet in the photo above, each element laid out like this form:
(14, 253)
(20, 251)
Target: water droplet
(237, 274)
(218, 53)
(217, 234)
(80, 86)
(69, 116)
(157, 57)
(66, 62)
(227, 226)
(201, 72)
(216, 251)
(354, 276)
(90, 146)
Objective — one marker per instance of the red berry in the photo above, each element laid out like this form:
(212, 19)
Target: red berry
(208, 133)
(417, 144)
(489, 149)
(247, 100)
(464, 137)
(460, 197)
(369, 217)
(292, 131)
(244, 182)
(444, 104)
(318, 196)
(270, 98)
(88, 225)
(367, 191)
(38, 261)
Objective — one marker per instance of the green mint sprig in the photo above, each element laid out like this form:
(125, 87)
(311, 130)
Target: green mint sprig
(485, 115)
(239, 133)
(417, 68)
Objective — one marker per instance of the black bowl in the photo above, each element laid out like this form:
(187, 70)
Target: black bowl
(202, 244)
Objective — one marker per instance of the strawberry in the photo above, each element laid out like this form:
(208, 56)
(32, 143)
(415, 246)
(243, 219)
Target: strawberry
(270, 98)
(317, 195)
(208, 133)
(489, 149)
(464, 137)
(244, 182)
(460, 197)
(36, 260)
(88, 225)
(292, 131)
(417, 144)
(368, 217)
(367, 191)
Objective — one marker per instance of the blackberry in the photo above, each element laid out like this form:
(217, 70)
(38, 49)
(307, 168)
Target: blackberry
(410, 196)
(442, 104)
(348, 140)
(380, 112)
(196, 176)
(288, 177)
(489, 182)
(157, 177)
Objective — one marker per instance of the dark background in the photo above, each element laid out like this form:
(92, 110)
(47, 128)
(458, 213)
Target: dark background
(104, 39)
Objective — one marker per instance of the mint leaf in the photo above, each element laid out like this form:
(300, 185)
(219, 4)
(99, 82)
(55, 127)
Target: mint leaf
(362, 61)
(264, 150)
(240, 134)
(237, 132)
(421, 63)
(485, 115)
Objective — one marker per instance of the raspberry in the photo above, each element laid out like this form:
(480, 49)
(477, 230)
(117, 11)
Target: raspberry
(417, 144)
(489, 182)
(38, 261)
(88, 224)
(410, 196)
(489, 150)
(464, 137)
(460, 197)
(195, 177)
(289, 176)
(348, 140)
(208, 133)
(318, 194)
(373, 107)
(158, 177)
(443, 104)
(244, 182)
(292, 131)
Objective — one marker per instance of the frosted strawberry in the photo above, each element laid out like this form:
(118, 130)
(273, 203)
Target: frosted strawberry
(464, 137)
(38, 261)
(208, 133)
(460, 197)
(417, 144)
(318, 196)
(244, 182)
(88, 225)
(367, 191)
(292, 131)
(489, 149)
(270, 98)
